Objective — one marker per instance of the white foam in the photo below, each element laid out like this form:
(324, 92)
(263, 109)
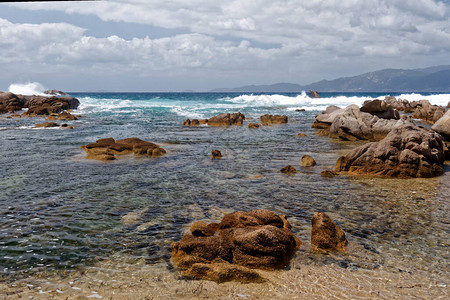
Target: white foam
(437, 99)
(31, 88)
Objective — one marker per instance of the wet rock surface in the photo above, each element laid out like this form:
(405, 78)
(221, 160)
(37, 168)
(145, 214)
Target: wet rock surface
(406, 152)
(325, 234)
(108, 148)
(267, 119)
(289, 170)
(254, 239)
(307, 161)
(216, 154)
(227, 119)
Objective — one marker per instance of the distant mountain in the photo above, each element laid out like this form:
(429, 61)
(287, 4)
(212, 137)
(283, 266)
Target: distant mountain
(433, 79)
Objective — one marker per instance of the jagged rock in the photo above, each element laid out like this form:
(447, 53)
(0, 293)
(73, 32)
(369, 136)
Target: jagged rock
(273, 119)
(427, 112)
(442, 126)
(66, 116)
(351, 124)
(328, 173)
(55, 93)
(187, 122)
(307, 161)
(216, 154)
(47, 125)
(405, 152)
(289, 170)
(227, 120)
(105, 148)
(41, 105)
(10, 102)
(325, 234)
(254, 239)
(313, 94)
(253, 125)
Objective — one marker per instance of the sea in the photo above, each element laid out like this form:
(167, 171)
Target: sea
(72, 227)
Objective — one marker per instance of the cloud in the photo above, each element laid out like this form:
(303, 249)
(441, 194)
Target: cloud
(290, 38)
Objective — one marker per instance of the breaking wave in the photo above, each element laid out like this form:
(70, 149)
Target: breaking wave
(31, 88)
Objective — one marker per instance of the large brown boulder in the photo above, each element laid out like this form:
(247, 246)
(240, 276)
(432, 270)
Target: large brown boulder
(405, 152)
(307, 161)
(352, 124)
(325, 234)
(380, 109)
(427, 112)
(273, 119)
(10, 102)
(255, 239)
(442, 126)
(313, 94)
(41, 105)
(227, 119)
(108, 148)
(66, 116)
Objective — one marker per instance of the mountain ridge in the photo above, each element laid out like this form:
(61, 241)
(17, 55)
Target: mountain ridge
(431, 79)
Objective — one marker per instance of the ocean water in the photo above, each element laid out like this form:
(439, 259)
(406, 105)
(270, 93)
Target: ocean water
(62, 217)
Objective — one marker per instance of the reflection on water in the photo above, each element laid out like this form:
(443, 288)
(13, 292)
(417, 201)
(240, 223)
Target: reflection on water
(72, 227)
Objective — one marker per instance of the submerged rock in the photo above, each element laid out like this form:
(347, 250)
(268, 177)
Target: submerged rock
(47, 125)
(106, 149)
(253, 239)
(216, 154)
(289, 170)
(273, 119)
(325, 234)
(66, 116)
(405, 152)
(442, 126)
(227, 119)
(328, 173)
(253, 125)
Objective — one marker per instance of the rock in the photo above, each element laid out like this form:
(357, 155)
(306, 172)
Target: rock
(105, 148)
(65, 126)
(55, 93)
(203, 121)
(273, 119)
(301, 134)
(254, 239)
(41, 105)
(227, 120)
(216, 154)
(307, 161)
(448, 104)
(300, 109)
(328, 173)
(427, 112)
(313, 94)
(187, 122)
(405, 152)
(195, 122)
(222, 272)
(325, 234)
(380, 109)
(399, 104)
(442, 126)
(253, 125)
(351, 124)
(289, 170)
(51, 118)
(47, 125)
(66, 116)
(10, 102)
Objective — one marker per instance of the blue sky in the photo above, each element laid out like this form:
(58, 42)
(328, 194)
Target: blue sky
(176, 45)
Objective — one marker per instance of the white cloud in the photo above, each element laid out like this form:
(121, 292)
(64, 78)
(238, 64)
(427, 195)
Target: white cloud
(305, 36)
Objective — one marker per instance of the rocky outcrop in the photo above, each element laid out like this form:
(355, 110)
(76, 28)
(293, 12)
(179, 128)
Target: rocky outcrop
(352, 124)
(55, 93)
(442, 126)
(289, 170)
(267, 119)
(226, 120)
(254, 239)
(108, 148)
(313, 94)
(40, 105)
(399, 104)
(216, 154)
(195, 122)
(424, 110)
(405, 152)
(10, 102)
(325, 234)
(380, 109)
(307, 161)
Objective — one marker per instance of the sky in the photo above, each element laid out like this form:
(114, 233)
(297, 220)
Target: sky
(177, 45)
